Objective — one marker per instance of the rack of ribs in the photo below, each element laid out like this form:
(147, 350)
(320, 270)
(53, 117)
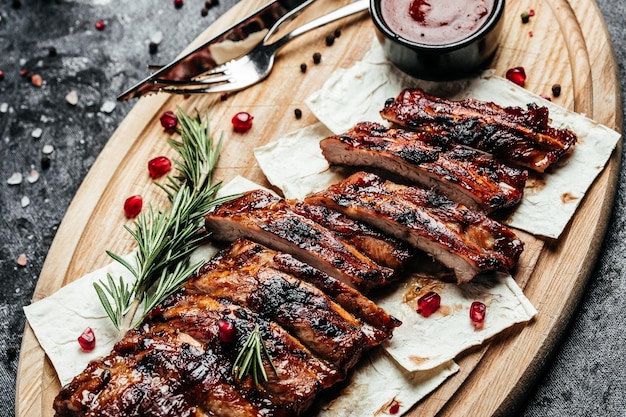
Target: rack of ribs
(464, 240)
(465, 175)
(512, 134)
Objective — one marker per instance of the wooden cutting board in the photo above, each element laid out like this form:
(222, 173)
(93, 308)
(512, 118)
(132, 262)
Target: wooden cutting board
(564, 42)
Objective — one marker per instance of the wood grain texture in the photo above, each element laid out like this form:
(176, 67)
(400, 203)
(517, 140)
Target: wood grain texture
(565, 42)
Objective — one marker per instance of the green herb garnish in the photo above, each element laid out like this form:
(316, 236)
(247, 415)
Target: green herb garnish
(250, 358)
(166, 238)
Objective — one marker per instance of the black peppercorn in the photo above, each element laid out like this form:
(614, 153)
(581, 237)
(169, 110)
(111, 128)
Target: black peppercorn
(303, 68)
(317, 58)
(52, 51)
(45, 162)
(204, 12)
(525, 17)
(153, 47)
(330, 39)
(297, 113)
(337, 33)
(556, 90)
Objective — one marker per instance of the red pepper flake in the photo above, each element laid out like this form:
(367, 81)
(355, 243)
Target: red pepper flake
(132, 206)
(545, 97)
(168, 120)
(223, 96)
(428, 304)
(531, 12)
(159, 166)
(21, 260)
(100, 25)
(477, 314)
(517, 75)
(36, 80)
(87, 340)
(23, 72)
(530, 34)
(242, 122)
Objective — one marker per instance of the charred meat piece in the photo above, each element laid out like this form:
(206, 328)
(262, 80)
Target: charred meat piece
(176, 365)
(377, 325)
(385, 250)
(464, 240)
(465, 175)
(264, 218)
(512, 134)
(238, 274)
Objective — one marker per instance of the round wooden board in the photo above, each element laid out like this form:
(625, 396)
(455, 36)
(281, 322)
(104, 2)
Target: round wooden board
(563, 43)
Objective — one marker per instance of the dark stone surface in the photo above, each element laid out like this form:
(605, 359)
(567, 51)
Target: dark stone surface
(585, 376)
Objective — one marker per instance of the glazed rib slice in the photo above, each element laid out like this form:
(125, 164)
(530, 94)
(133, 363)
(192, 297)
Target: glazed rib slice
(264, 218)
(464, 240)
(512, 134)
(465, 175)
(377, 325)
(175, 365)
(238, 274)
(385, 250)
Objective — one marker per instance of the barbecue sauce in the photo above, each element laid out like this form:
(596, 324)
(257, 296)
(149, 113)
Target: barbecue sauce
(436, 22)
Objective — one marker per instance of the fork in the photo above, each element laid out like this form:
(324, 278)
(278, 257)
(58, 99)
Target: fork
(254, 67)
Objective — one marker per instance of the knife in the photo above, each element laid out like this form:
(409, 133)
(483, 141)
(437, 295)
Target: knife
(232, 43)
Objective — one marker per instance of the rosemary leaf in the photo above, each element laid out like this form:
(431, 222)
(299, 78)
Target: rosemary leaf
(249, 361)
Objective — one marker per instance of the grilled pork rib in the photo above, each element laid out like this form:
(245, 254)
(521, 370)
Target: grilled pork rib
(465, 175)
(238, 274)
(512, 134)
(260, 216)
(176, 365)
(464, 240)
(383, 249)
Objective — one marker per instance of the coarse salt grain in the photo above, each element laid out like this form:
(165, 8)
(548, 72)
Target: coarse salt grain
(107, 107)
(156, 37)
(37, 133)
(33, 176)
(15, 179)
(21, 260)
(72, 97)
(25, 201)
(47, 149)
(4, 107)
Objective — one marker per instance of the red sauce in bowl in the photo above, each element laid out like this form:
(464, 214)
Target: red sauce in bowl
(435, 22)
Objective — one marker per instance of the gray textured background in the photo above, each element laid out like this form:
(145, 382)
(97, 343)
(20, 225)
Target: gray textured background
(584, 378)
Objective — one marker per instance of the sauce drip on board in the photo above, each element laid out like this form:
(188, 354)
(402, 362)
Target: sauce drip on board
(435, 22)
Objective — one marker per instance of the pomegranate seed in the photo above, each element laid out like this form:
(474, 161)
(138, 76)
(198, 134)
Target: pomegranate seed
(159, 166)
(531, 12)
(517, 75)
(169, 120)
(100, 25)
(242, 122)
(428, 303)
(477, 314)
(394, 407)
(178, 3)
(87, 340)
(132, 206)
(227, 330)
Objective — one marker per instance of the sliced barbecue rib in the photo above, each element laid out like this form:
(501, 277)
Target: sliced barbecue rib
(464, 240)
(264, 218)
(239, 274)
(176, 365)
(512, 134)
(382, 248)
(465, 175)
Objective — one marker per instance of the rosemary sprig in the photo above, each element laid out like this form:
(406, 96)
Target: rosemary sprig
(166, 238)
(250, 358)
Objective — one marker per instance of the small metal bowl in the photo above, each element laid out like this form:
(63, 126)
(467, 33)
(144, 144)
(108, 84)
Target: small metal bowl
(442, 61)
